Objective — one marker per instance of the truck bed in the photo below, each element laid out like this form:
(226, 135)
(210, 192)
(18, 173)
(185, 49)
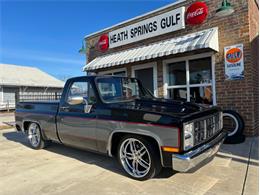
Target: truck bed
(42, 111)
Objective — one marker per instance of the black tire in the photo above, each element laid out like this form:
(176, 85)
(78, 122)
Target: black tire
(41, 143)
(235, 131)
(155, 162)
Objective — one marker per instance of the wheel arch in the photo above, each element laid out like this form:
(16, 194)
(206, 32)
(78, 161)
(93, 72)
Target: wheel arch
(27, 122)
(115, 137)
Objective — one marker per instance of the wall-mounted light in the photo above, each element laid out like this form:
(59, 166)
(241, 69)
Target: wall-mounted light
(83, 49)
(225, 9)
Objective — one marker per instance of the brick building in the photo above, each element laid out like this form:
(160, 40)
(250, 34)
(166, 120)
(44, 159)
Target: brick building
(187, 48)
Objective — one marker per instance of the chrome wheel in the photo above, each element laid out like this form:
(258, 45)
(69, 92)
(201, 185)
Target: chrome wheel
(135, 157)
(34, 135)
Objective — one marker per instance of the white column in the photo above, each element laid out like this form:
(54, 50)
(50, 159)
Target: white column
(1, 96)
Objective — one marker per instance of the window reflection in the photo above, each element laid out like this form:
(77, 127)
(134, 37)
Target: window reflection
(121, 73)
(200, 71)
(82, 89)
(177, 73)
(178, 93)
(202, 95)
(198, 81)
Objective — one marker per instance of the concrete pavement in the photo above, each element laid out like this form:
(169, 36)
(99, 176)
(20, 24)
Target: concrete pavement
(63, 170)
(6, 117)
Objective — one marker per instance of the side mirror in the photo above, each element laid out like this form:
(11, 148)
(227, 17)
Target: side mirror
(76, 100)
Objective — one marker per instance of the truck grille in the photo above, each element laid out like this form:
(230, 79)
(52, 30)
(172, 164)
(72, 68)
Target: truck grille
(207, 127)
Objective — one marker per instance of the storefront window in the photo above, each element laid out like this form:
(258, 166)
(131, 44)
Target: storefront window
(200, 71)
(146, 77)
(178, 93)
(121, 73)
(114, 73)
(201, 95)
(177, 73)
(191, 80)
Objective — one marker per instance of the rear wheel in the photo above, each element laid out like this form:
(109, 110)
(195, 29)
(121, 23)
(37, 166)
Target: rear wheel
(138, 157)
(35, 137)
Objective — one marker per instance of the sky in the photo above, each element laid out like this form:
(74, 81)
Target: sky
(48, 34)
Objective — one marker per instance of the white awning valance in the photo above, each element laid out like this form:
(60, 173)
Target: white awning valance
(198, 40)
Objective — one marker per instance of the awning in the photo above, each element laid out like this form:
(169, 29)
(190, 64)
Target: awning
(198, 40)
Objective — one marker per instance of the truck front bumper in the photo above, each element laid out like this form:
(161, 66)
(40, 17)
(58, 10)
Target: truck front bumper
(184, 162)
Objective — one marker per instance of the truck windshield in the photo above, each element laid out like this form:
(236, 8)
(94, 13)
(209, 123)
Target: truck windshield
(119, 89)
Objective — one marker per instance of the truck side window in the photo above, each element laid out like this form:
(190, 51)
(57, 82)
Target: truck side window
(83, 89)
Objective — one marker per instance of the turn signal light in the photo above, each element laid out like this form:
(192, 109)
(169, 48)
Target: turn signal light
(170, 149)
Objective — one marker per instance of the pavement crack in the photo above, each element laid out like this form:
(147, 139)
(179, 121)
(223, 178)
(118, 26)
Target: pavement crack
(247, 167)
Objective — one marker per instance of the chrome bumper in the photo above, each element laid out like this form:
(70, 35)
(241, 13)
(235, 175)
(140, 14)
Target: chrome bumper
(184, 162)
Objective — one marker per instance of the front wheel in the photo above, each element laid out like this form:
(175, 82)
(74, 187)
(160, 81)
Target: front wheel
(35, 137)
(138, 157)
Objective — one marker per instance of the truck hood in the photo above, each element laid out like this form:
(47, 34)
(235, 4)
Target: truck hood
(173, 108)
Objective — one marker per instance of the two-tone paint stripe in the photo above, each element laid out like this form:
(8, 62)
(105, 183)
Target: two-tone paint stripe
(115, 121)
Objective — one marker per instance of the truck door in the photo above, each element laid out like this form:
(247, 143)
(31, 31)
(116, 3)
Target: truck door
(75, 126)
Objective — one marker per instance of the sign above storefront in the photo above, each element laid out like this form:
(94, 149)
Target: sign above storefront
(196, 13)
(234, 62)
(164, 23)
(103, 43)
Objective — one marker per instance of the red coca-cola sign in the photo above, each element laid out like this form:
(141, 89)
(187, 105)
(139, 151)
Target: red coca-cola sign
(103, 43)
(196, 13)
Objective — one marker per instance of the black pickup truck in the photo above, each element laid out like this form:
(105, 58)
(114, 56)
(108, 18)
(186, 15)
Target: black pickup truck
(117, 116)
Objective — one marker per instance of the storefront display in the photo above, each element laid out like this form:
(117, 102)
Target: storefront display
(184, 51)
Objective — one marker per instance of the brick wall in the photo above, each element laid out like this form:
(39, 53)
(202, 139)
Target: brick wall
(254, 43)
(240, 27)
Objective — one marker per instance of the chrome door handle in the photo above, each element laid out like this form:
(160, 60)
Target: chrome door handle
(64, 107)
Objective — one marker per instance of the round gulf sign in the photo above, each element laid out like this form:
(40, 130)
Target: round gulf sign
(196, 13)
(234, 55)
(103, 43)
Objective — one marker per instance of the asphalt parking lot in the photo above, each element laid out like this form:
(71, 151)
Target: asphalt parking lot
(63, 170)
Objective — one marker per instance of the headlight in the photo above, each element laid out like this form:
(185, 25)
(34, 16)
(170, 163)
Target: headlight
(188, 135)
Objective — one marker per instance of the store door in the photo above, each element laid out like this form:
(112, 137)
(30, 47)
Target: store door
(146, 77)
